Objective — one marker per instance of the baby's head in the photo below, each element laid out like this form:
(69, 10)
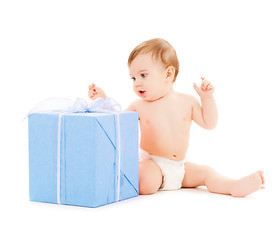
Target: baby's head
(153, 66)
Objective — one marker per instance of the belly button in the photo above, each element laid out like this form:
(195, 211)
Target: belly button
(174, 156)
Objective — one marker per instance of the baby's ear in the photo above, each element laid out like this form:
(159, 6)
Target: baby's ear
(170, 73)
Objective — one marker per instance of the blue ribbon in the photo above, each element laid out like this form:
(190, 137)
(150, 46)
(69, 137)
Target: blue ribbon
(75, 106)
(66, 106)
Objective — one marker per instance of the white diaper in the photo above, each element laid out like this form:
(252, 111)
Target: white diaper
(172, 171)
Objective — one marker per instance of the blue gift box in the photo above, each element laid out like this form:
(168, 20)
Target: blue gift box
(83, 159)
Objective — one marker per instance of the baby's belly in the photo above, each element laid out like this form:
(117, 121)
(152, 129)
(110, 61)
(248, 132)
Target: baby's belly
(171, 143)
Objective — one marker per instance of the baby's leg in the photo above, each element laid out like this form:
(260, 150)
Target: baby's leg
(150, 177)
(248, 184)
(200, 175)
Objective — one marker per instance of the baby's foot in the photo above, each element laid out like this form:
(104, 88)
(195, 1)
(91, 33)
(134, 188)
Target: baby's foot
(248, 184)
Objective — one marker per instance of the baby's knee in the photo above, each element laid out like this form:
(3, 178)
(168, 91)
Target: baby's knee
(204, 172)
(208, 169)
(150, 177)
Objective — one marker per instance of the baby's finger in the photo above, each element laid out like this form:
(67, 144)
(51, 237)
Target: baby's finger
(92, 92)
(210, 87)
(204, 85)
(197, 89)
(92, 86)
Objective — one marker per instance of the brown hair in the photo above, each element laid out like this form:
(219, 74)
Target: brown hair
(161, 50)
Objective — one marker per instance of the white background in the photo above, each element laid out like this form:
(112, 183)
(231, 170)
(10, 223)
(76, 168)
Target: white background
(57, 48)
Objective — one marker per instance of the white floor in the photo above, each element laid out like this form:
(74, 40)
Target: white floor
(183, 214)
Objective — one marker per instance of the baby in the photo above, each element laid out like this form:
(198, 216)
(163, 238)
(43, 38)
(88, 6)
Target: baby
(165, 118)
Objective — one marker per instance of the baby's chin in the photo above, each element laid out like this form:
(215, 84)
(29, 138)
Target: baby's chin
(152, 99)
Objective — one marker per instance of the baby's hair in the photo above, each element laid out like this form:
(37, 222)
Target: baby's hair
(161, 50)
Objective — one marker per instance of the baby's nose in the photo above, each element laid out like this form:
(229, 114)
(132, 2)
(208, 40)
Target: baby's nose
(137, 83)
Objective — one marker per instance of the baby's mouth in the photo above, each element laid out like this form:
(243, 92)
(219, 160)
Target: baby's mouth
(141, 92)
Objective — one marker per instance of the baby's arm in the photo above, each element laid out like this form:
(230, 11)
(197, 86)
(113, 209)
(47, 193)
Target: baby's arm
(132, 106)
(205, 115)
(95, 92)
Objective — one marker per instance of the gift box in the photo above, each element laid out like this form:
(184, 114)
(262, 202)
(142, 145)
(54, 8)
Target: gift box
(83, 158)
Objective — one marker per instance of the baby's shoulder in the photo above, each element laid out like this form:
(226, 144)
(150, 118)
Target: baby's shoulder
(134, 105)
(186, 98)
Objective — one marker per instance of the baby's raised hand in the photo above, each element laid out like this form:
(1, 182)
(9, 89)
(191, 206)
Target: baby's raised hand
(205, 90)
(95, 92)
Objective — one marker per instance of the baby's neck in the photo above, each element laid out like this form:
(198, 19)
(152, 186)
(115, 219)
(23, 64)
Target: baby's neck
(164, 96)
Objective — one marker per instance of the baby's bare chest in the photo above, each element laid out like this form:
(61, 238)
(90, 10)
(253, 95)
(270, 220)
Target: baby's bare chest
(164, 117)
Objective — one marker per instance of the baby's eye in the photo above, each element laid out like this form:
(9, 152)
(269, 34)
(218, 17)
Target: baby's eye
(133, 78)
(143, 75)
